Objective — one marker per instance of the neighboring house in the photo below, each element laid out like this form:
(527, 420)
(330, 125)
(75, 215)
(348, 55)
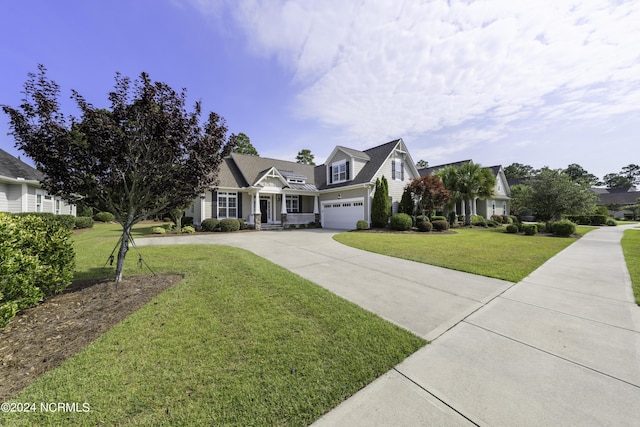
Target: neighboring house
(498, 204)
(275, 193)
(616, 199)
(20, 189)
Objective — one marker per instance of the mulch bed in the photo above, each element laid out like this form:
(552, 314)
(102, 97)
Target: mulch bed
(41, 338)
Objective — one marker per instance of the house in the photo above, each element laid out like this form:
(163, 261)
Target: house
(615, 199)
(20, 189)
(270, 193)
(498, 204)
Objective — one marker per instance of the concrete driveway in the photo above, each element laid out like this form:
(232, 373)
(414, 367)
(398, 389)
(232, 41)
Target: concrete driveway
(424, 299)
(561, 347)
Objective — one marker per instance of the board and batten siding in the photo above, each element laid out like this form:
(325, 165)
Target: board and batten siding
(396, 187)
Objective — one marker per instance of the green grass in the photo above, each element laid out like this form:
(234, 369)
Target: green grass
(631, 249)
(219, 348)
(487, 252)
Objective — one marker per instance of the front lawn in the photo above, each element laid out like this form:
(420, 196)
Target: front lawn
(631, 249)
(486, 252)
(240, 341)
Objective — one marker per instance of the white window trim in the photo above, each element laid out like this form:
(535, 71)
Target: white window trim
(292, 201)
(226, 196)
(39, 206)
(398, 169)
(339, 164)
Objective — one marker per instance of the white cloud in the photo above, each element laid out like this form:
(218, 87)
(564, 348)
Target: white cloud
(383, 69)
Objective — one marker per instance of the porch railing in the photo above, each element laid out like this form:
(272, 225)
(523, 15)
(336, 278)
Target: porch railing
(300, 218)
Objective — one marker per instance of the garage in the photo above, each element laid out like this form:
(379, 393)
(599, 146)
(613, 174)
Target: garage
(342, 214)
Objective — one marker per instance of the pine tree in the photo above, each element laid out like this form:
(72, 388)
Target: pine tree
(380, 205)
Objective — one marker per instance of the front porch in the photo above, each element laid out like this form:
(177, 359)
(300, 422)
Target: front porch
(279, 210)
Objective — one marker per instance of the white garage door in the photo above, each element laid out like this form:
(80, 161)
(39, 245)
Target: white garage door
(342, 214)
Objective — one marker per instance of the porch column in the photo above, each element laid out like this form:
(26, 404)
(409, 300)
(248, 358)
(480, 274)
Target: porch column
(283, 210)
(474, 207)
(24, 198)
(316, 211)
(257, 215)
(203, 199)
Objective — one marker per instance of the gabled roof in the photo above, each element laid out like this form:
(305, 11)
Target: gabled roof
(251, 168)
(15, 168)
(351, 152)
(377, 156)
(433, 169)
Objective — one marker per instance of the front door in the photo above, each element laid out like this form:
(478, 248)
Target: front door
(264, 208)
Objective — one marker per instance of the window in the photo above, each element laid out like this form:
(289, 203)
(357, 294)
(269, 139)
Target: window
(504, 208)
(493, 206)
(397, 169)
(57, 207)
(227, 205)
(293, 204)
(38, 202)
(339, 172)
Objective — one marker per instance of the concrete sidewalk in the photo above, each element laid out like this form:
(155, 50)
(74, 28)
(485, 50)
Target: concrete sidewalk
(562, 347)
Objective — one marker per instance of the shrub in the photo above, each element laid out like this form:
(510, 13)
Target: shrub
(438, 218)
(520, 227)
(497, 218)
(67, 221)
(187, 221)
(401, 222)
(530, 229)
(243, 224)
(36, 259)
(424, 226)
(229, 224)
(210, 224)
(514, 219)
(563, 228)
(478, 221)
(158, 230)
(611, 222)
(598, 219)
(506, 219)
(542, 227)
(423, 218)
(492, 223)
(512, 228)
(104, 217)
(188, 229)
(440, 225)
(362, 225)
(302, 225)
(84, 222)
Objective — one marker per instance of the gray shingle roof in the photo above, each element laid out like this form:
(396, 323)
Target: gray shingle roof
(251, 168)
(14, 168)
(354, 153)
(377, 156)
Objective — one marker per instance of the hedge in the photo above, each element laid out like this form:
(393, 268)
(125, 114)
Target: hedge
(563, 228)
(229, 224)
(210, 224)
(84, 222)
(440, 225)
(104, 217)
(401, 222)
(362, 225)
(36, 260)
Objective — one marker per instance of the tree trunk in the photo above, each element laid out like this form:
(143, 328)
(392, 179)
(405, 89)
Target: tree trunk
(122, 253)
(467, 214)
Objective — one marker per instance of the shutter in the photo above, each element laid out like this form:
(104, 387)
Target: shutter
(393, 169)
(330, 174)
(300, 203)
(239, 205)
(347, 169)
(214, 204)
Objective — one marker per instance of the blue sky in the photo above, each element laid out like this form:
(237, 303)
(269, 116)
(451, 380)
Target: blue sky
(542, 83)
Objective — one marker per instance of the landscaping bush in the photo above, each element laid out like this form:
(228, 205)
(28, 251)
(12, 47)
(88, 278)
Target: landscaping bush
(497, 218)
(187, 221)
(188, 229)
(506, 219)
(514, 219)
(543, 227)
(598, 219)
(422, 218)
(401, 222)
(438, 218)
(491, 223)
(440, 225)
(424, 226)
(104, 217)
(210, 224)
(84, 222)
(229, 224)
(512, 228)
(158, 230)
(530, 229)
(478, 221)
(302, 226)
(611, 222)
(67, 221)
(36, 260)
(520, 227)
(563, 228)
(243, 224)
(362, 225)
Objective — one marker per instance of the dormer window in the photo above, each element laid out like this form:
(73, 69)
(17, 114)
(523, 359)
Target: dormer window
(295, 181)
(339, 172)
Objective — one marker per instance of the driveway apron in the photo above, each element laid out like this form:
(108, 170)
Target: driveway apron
(561, 347)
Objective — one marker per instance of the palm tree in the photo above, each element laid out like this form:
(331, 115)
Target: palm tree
(466, 182)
